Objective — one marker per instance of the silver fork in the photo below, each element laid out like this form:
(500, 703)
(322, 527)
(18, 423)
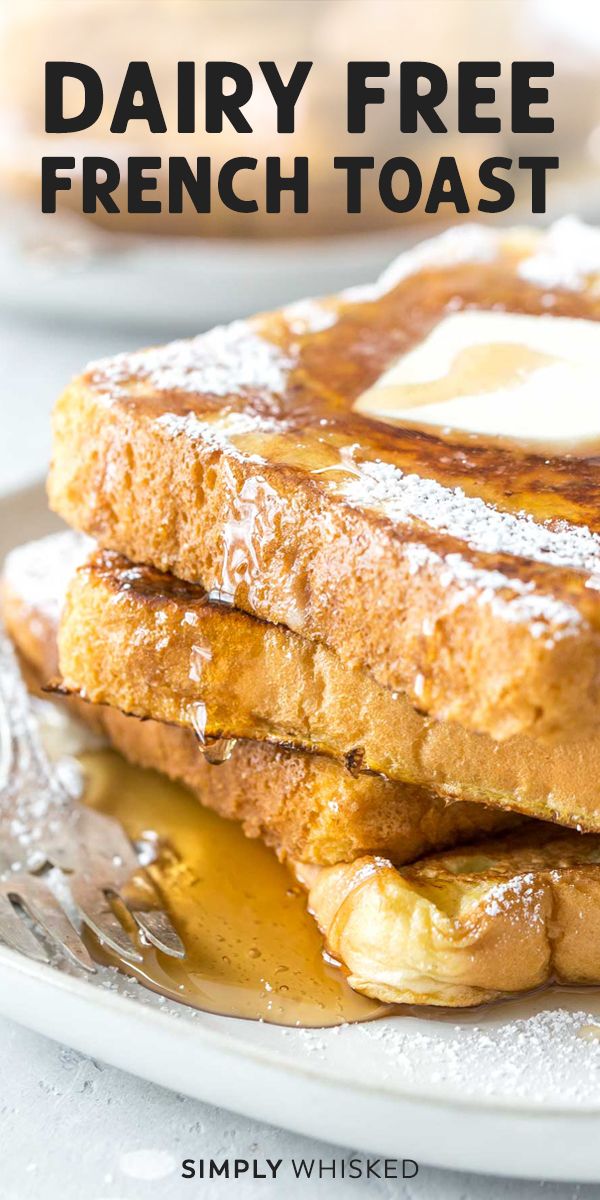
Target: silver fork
(58, 857)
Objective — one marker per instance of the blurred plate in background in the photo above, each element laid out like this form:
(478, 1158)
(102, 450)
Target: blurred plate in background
(69, 269)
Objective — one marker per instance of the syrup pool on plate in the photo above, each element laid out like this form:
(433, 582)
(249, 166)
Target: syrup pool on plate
(252, 949)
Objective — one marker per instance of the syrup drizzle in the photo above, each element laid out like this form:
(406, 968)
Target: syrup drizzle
(252, 950)
(216, 750)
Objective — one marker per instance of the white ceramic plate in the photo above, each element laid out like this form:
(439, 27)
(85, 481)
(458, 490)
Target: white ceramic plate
(512, 1090)
(78, 273)
(71, 270)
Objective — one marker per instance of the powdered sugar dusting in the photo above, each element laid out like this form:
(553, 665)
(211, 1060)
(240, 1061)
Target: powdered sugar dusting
(449, 510)
(510, 599)
(229, 360)
(539, 1058)
(221, 431)
(568, 256)
(384, 488)
(309, 316)
(237, 359)
(501, 898)
(39, 572)
(469, 243)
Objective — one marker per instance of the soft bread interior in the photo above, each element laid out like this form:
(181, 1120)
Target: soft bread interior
(467, 926)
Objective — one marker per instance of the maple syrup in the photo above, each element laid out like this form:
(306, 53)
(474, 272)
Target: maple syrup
(252, 949)
(216, 750)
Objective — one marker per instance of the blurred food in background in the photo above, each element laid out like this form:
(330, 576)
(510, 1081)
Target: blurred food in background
(192, 269)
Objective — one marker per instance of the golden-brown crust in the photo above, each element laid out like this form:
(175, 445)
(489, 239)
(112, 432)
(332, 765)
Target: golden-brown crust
(150, 645)
(456, 929)
(456, 571)
(467, 926)
(529, 907)
(306, 805)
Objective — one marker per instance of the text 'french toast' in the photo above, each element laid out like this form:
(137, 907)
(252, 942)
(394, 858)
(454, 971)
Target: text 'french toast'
(461, 570)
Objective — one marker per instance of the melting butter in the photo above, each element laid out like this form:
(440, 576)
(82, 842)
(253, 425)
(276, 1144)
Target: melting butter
(252, 950)
(507, 375)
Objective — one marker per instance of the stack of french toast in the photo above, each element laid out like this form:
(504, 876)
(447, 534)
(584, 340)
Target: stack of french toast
(337, 569)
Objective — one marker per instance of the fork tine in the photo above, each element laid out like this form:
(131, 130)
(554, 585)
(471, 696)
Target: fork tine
(96, 911)
(43, 907)
(142, 900)
(89, 849)
(158, 929)
(15, 933)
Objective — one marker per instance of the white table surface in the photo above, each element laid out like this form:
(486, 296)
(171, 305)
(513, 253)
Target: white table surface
(69, 1126)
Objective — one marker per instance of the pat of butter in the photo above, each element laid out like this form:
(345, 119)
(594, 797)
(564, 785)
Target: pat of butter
(509, 375)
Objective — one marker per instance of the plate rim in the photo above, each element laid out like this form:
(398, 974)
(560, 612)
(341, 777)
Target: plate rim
(83, 989)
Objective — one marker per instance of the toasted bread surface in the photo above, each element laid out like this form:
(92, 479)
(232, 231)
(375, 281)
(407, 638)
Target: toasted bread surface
(150, 645)
(457, 929)
(461, 572)
(307, 806)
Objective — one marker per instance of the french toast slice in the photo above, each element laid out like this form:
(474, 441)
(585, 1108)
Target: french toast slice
(460, 571)
(307, 806)
(456, 929)
(468, 926)
(148, 644)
